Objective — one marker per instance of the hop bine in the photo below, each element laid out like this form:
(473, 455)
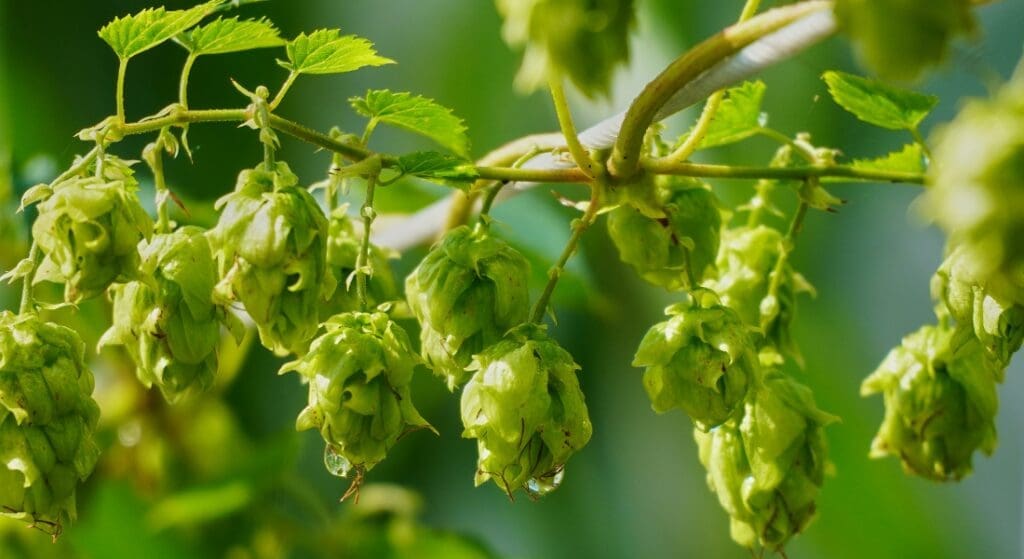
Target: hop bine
(47, 420)
(270, 248)
(467, 293)
(524, 407)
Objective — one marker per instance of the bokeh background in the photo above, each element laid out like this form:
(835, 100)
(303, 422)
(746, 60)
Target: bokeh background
(228, 476)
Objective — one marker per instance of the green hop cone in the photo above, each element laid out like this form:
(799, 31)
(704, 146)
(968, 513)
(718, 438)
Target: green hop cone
(88, 230)
(997, 323)
(525, 408)
(343, 244)
(168, 322)
(768, 467)
(359, 372)
(700, 360)
(47, 420)
(940, 402)
(270, 245)
(468, 291)
(977, 192)
(685, 233)
(747, 266)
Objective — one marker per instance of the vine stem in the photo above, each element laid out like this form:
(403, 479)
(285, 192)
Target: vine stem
(122, 68)
(27, 301)
(579, 227)
(711, 107)
(284, 90)
(186, 71)
(564, 114)
(362, 263)
(153, 154)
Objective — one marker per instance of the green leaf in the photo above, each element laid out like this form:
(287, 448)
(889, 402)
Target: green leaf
(416, 114)
(132, 34)
(225, 35)
(899, 38)
(438, 167)
(877, 103)
(326, 51)
(910, 159)
(738, 117)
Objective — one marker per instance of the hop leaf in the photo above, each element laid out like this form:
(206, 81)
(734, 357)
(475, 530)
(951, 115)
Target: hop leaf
(768, 467)
(326, 51)
(978, 190)
(738, 116)
(132, 34)
(583, 39)
(467, 292)
(879, 104)
(416, 114)
(358, 373)
(701, 360)
(225, 35)
(88, 230)
(270, 244)
(168, 322)
(47, 420)
(343, 244)
(940, 402)
(526, 411)
(439, 167)
(686, 234)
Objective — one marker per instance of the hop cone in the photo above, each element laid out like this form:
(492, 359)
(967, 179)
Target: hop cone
(343, 244)
(271, 253)
(88, 230)
(700, 360)
(997, 323)
(525, 408)
(940, 402)
(768, 467)
(977, 194)
(747, 265)
(47, 419)
(359, 372)
(685, 234)
(467, 292)
(168, 322)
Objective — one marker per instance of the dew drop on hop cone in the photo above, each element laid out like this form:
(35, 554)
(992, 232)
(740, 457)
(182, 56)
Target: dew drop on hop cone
(540, 486)
(335, 463)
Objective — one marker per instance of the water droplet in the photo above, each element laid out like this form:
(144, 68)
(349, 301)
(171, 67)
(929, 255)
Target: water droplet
(337, 464)
(540, 486)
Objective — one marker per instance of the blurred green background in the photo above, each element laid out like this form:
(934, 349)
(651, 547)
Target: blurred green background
(228, 476)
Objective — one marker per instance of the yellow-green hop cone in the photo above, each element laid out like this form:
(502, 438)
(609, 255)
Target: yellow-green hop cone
(359, 372)
(701, 360)
(940, 402)
(47, 420)
(997, 323)
(168, 322)
(768, 467)
(747, 264)
(525, 408)
(685, 233)
(270, 245)
(977, 191)
(88, 230)
(343, 244)
(468, 291)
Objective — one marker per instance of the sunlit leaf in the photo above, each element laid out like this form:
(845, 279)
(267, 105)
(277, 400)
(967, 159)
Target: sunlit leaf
(132, 34)
(438, 167)
(225, 35)
(326, 51)
(416, 114)
(879, 104)
(738, 117)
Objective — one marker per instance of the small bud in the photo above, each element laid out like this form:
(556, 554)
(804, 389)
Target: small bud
(525, 408)
(467, 292)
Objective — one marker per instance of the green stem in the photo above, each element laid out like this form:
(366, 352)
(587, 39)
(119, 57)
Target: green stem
(564, 113)
(492, 194)
(579, 227)
(781, 138)
(28, 303)
(787, 248)
(916, 134)
(791, 173)
(155, 160)
(625, 159)
(284, 90)
(749, 9)
(122, 67)
(268, 157)
(363, 262)
(186, 70)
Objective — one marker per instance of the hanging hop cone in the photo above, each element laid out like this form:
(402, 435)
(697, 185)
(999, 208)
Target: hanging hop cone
(525, 408)
(768, 467)
(359, 372)
(680, 230)
(997, 323)
(167, 322)
(977, 189)
(47, 420)
(467, 292)
(747, 265)
(940, 397)
(271, 254)
(700, 360)
(88, 229)
(343, 244)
